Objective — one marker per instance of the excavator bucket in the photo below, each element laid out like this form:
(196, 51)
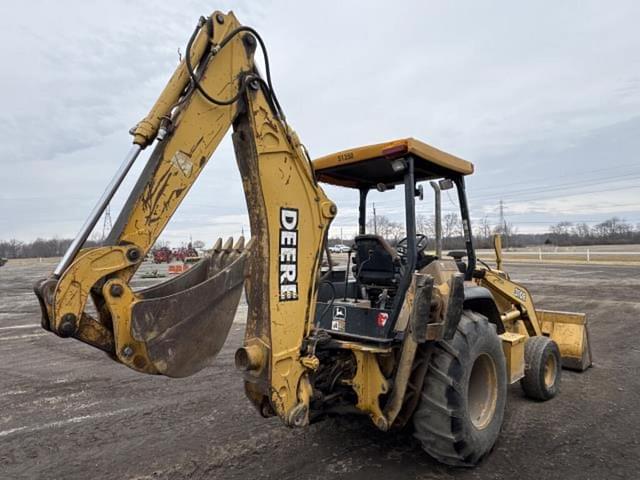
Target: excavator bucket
(185, 321)
(570, 332)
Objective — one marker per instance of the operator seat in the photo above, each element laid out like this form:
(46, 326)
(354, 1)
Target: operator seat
(377, 263)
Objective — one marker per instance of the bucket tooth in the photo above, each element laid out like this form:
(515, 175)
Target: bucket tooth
(235, 251)
(221, 255)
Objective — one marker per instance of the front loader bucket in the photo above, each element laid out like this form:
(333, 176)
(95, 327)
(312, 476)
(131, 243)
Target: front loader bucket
(185, 321)
(569, 330)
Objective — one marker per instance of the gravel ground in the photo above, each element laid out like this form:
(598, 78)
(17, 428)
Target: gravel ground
(66, 411)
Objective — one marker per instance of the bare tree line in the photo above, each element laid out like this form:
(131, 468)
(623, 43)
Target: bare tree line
(52, 247)
(55, 247)
(395, 231)
(611, 231)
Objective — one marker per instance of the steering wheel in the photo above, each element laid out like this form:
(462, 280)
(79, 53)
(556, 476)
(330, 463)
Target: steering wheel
(421, 244)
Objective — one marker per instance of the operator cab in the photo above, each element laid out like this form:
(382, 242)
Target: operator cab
(363, 300)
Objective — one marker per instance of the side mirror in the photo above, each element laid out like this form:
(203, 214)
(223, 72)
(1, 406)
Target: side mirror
(445, 184)
(419, 192)
(398, 165)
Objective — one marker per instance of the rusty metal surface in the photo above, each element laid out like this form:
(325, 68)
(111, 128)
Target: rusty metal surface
(44, 289)
(454, 306)
(257, 286)
(414, 385)
(90, 330)
(420, 318)
(185, 323)
(421, 313)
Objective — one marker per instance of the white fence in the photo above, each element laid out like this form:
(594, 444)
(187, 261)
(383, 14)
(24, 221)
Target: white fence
(587, 255)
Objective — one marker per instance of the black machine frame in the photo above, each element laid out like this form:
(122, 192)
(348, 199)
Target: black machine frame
(410, 192)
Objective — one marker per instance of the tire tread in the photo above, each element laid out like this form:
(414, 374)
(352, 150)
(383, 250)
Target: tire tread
(534, 353)
(438, 419)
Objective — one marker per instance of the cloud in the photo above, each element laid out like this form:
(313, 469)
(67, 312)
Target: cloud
(529, 91)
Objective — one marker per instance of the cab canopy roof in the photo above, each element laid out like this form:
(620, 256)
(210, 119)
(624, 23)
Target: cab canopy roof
(366, 167)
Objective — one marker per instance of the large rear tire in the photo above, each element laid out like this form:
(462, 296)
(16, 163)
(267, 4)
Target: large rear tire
(462, 403)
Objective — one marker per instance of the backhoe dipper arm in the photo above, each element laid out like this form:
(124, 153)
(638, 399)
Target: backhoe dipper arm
(176, 328)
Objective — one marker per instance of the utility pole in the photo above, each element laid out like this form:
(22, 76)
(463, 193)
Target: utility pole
(375, 220)
(106, 225)
(503, 223)
(436, 190)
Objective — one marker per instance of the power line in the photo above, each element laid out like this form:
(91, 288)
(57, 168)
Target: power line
(561, 186)
(531, 198)
(534, 193)
(530, 180)
(455, 204)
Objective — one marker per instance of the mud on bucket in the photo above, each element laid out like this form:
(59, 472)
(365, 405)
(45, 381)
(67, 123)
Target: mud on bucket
(185, 321)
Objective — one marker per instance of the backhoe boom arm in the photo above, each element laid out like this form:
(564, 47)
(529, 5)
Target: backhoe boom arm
(177, 328)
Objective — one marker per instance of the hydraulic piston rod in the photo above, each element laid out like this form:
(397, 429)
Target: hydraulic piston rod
(98, 210)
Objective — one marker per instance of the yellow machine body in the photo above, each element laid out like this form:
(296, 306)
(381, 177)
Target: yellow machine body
(515, 304)
(570, 331)
(146, 330)
(178, 327)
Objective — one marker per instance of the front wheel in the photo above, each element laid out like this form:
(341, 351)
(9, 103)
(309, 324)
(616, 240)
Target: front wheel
(542, 371)
(464, 394)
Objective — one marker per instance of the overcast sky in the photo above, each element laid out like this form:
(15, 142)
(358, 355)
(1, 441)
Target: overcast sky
(543, 97)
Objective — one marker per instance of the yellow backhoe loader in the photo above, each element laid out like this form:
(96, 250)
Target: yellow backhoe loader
(399, 335)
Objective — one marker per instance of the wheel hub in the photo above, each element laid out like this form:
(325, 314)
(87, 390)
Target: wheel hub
(482, 393)
(550, 371)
